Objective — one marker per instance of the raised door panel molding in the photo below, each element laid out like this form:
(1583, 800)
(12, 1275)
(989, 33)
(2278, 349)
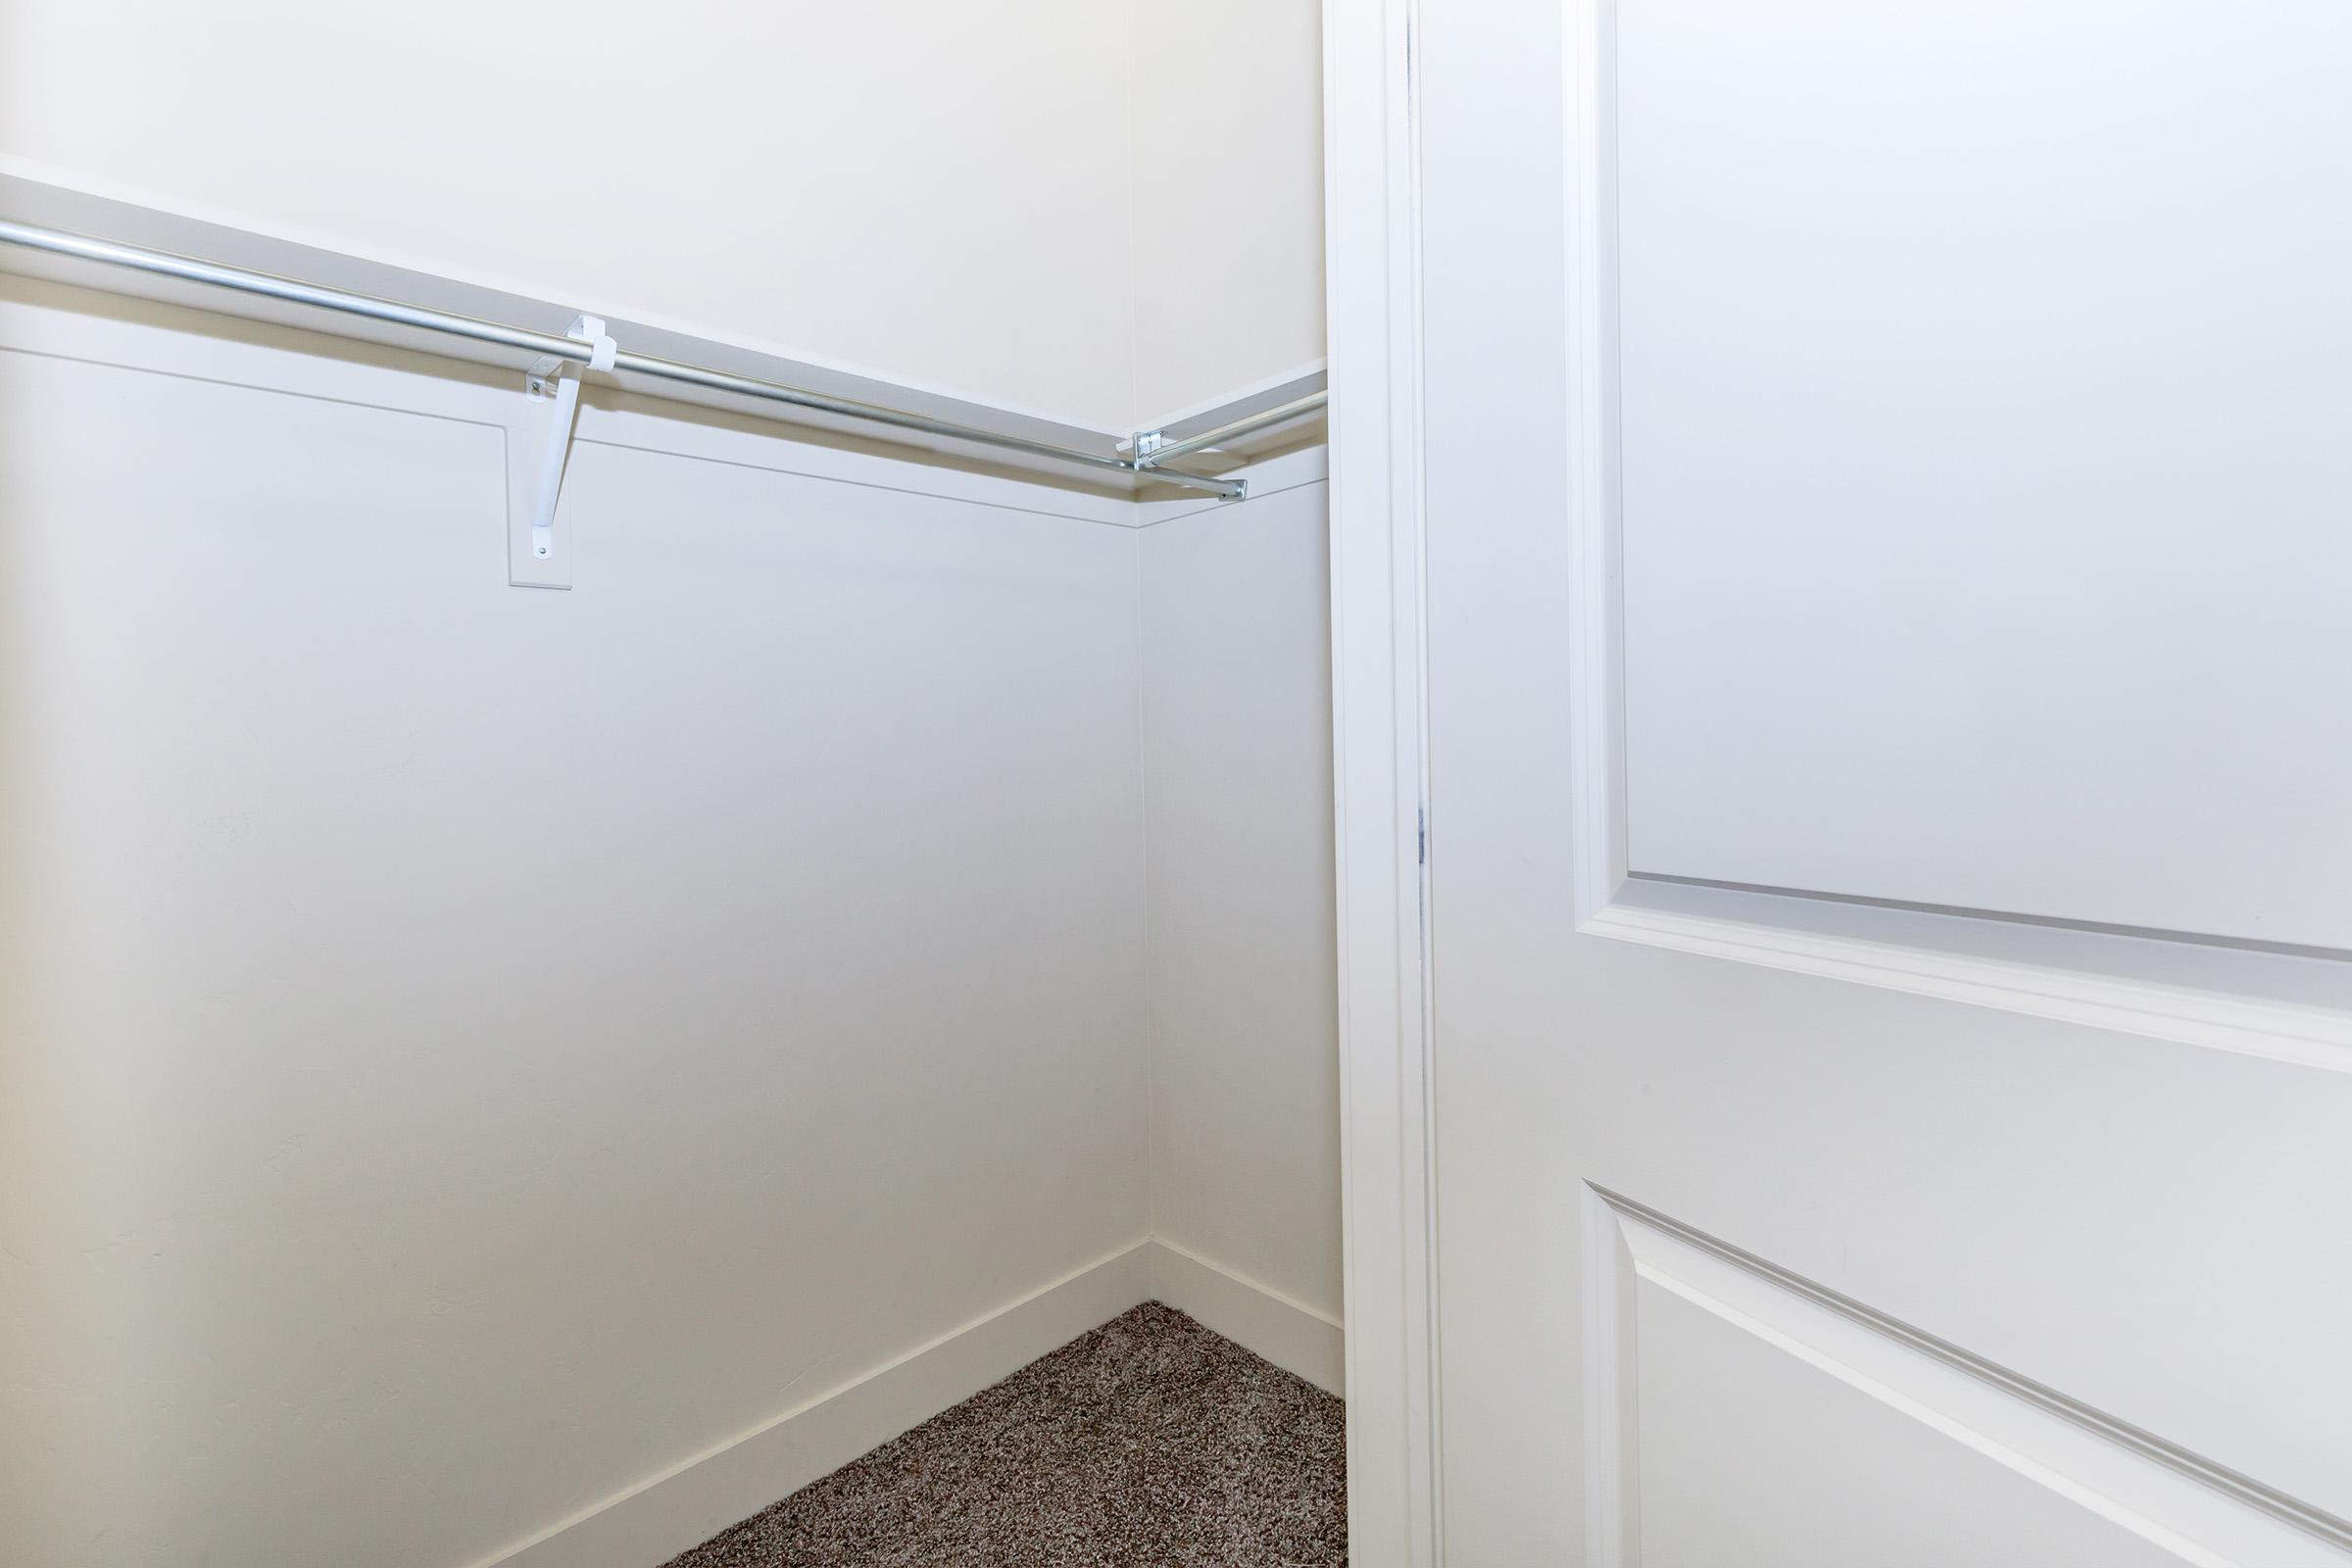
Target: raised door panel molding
(1981, 423)
(1822, 1430)
(1897, 664)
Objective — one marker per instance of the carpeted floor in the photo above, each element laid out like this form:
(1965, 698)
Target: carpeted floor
(1150, 1443)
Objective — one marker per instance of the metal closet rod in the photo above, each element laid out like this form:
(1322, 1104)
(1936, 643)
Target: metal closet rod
(188, 269)
(1247, 424)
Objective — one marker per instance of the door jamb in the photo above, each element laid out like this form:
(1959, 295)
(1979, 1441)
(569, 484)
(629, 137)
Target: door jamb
(1372, 227)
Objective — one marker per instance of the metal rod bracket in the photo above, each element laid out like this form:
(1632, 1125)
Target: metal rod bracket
(544, 379)
(1145, 448)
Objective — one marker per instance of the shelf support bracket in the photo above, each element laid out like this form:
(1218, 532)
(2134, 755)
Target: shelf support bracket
(1142, 451)
(546, 378)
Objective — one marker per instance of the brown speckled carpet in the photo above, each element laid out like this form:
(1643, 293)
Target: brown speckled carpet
(1150, 1443)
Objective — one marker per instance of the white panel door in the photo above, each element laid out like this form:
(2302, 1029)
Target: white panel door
(1889, 605)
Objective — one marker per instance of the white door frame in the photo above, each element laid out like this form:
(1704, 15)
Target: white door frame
(1372, 225)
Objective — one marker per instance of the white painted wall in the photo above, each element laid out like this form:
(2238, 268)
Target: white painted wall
(1237, 770)
(914, 187)
(467, 1050)
(464, 1049)
(1090, 212)
(1228, 161)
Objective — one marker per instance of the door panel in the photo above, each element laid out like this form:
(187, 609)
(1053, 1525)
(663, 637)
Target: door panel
(1752, 1455)
(1724, 584)
(1984, 398)
(1804, 1426)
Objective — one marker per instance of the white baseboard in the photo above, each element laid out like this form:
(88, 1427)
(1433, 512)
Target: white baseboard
(689, 1503)
(1292, 1334)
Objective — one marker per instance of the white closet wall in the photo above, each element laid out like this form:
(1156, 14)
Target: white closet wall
(470, 1052)
(1229, 223)
(908, 186)
(1237, 775)
(465, 1050)
(485, 1068)
(1097, 212)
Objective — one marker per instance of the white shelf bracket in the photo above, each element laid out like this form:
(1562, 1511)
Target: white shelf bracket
(546, 379)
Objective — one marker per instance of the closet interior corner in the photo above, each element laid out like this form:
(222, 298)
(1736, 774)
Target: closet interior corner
(665, 790)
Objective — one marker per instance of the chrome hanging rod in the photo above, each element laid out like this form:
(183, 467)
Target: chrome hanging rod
(188, 269)
(1247, 424)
